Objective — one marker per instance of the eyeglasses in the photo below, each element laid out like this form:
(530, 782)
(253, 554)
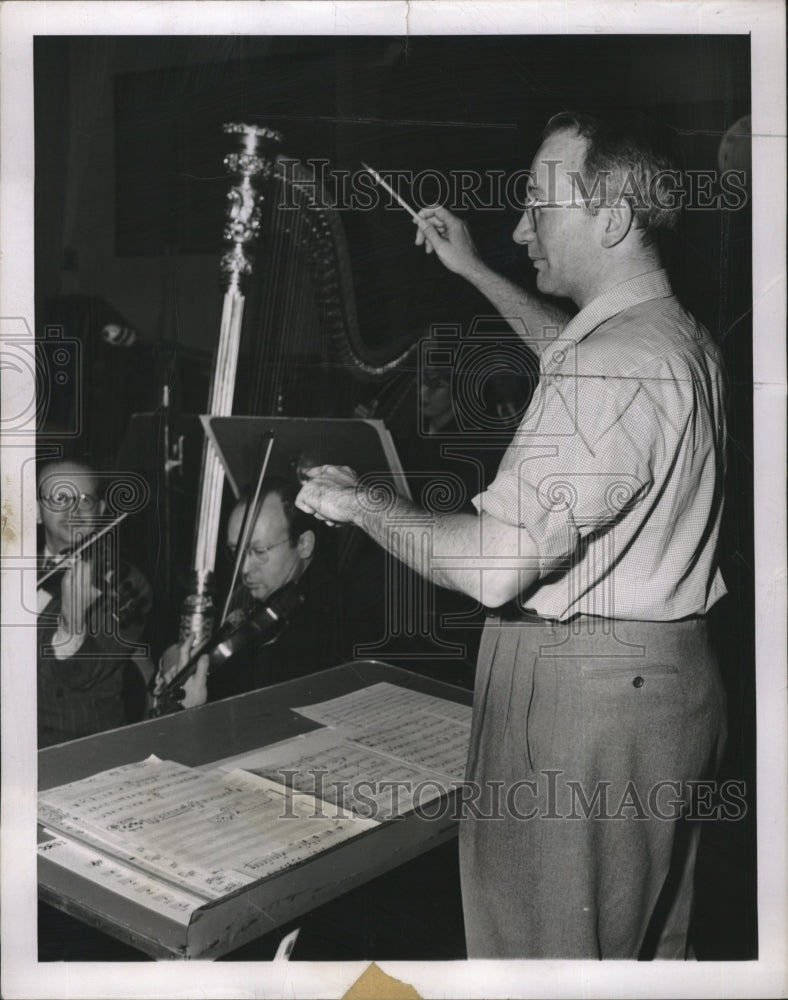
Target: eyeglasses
(63, 500)
(579, 201)
(533, 203)
(255, 552)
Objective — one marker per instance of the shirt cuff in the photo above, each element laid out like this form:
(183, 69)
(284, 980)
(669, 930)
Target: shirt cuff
(553, 533)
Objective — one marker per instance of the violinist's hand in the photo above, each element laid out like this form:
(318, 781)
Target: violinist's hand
(77, 593)
(330, 493)
(442, 233)
(174, 659)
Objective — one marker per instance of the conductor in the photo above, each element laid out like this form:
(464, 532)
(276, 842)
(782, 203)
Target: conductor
(598, 704)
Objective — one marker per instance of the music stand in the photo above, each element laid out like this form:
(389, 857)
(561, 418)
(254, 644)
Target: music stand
(365, 445)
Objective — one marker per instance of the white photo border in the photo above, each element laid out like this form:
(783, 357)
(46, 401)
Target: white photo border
(764, 20)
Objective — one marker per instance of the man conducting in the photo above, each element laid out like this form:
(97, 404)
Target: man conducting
(598, 704)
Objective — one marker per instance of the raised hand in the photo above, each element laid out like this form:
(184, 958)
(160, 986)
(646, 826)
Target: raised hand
(442, 233)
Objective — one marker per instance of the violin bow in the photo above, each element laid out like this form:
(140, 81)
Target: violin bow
(81, 548)
(248, 523)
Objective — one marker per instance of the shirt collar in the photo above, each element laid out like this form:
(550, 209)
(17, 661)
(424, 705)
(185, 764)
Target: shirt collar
(651, 285)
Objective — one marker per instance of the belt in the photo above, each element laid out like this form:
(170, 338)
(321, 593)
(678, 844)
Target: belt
(512, 612)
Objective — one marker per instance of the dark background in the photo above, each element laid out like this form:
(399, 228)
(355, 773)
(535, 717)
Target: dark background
(130, 193)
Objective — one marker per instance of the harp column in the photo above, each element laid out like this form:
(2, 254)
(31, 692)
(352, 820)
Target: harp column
(252, 162)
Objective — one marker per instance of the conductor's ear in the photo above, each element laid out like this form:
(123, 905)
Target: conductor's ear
(617, 221)
(306, 544)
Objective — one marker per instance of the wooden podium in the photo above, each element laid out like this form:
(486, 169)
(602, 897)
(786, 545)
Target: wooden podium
(213, 733)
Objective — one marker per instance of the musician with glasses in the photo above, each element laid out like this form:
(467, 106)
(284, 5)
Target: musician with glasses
(91, 613)
(286, 548)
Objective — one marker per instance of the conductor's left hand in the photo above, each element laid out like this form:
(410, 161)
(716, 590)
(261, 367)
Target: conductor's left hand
(330, 493)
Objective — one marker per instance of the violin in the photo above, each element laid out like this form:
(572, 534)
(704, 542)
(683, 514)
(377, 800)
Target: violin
(119, 601)
(242, 629)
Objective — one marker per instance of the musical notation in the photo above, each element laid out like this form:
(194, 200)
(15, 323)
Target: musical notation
(383, 751)
(174, 838)
(422, 739)
(210, 834)
(406, 725)
(327, 765)
(381, 703)
(123, 880)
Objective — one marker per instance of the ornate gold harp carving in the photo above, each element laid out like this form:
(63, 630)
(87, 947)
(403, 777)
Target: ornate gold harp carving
(250, 166)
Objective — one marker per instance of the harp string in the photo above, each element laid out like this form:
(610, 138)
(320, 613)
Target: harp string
(304, 326)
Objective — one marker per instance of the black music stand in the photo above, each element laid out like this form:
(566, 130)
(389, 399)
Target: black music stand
(365, 445)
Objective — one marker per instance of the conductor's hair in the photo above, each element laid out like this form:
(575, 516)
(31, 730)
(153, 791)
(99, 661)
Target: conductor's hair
(298, 521)
(632, 158)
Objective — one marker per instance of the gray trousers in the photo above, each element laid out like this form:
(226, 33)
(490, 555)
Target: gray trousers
(580, 825)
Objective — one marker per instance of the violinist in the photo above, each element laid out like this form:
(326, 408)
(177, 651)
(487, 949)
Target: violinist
(287, 550)
(90, 616)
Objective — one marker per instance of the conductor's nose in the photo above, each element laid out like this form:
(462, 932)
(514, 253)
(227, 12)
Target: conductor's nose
(524, 230)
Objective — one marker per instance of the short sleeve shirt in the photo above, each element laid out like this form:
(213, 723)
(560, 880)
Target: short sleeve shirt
(616, 471)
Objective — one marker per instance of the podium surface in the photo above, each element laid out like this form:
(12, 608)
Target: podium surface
(213, 733)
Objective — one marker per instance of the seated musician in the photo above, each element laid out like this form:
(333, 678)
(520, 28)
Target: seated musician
(286, 547)
(90, 617)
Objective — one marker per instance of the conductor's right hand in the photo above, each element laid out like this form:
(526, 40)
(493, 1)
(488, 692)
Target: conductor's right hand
(442, 233)
(195, 687)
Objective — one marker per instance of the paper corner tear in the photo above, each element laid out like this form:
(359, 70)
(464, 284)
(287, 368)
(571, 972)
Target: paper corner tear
(375, 984)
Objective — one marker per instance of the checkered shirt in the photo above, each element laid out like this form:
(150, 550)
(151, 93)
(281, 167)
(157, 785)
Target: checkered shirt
(616, 471)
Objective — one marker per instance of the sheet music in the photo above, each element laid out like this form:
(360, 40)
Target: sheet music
(122, 879)
(415, 728)
(379, 703)
(329, 765)
(209, 833)
(421, 739)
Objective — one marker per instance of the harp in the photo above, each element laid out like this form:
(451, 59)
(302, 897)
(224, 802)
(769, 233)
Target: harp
(302, 328)
(300, 325)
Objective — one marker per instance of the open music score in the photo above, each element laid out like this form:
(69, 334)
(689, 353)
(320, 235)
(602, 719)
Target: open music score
(381, 703)
(209, 834)
(327, 764)
(383, 751)
(415, 728)
(123, 880)
(181, 841)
